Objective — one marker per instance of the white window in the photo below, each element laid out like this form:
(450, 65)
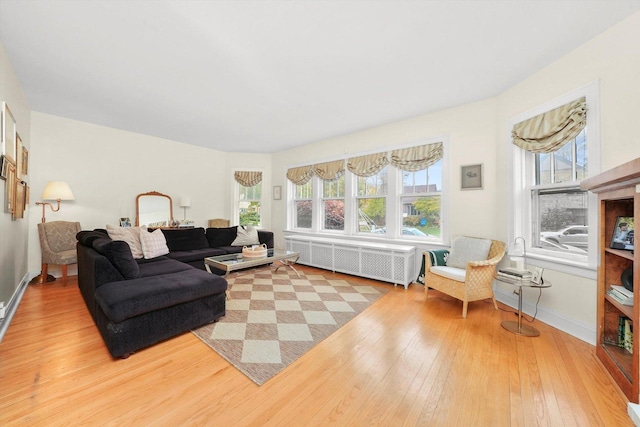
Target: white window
(249, 204)
(333, 204)
(303, 205)
(549, 210)
(371, 202)
(421, 201)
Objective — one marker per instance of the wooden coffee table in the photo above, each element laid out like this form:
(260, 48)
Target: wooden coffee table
(232, 262)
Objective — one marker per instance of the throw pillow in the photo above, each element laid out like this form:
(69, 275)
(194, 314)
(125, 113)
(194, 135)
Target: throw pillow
(153, 244)
(218, 237)
(186, 239)
(131, 235)
(247, 236)
(119, 254)
(465, 249)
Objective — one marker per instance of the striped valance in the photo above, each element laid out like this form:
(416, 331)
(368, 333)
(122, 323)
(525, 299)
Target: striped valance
(247, 178)
(417, 158)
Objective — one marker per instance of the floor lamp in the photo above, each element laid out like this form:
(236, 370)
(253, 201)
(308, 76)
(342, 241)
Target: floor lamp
(55, 190)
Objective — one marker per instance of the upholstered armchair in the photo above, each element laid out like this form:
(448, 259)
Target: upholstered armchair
(58, 244)
(466, 271)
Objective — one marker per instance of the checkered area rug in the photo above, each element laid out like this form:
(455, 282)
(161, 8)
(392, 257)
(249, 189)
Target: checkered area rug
(274, 318)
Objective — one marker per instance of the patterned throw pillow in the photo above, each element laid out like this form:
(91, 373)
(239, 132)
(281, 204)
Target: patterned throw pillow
(153, 244)
(131, 235)
(247, 236)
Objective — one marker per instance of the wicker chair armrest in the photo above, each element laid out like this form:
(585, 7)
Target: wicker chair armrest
(493, 261)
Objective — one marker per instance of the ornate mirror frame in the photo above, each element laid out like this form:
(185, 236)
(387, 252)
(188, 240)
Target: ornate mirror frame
(169, 215)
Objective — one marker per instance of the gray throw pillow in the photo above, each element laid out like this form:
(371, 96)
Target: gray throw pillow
(465, 249)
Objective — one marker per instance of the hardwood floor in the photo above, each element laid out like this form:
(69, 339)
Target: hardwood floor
(403, 361)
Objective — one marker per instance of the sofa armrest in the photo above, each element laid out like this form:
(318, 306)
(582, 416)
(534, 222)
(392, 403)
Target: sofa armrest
(266, 237)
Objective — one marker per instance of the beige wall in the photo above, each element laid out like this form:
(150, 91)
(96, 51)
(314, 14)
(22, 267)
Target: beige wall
(106, 168)
(13, 240)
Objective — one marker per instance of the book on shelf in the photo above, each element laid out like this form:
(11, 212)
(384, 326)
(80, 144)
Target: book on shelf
(622, 297)
(516, 272)
(625, 333)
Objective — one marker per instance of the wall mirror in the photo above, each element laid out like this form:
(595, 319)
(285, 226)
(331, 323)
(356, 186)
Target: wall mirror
(153, 208)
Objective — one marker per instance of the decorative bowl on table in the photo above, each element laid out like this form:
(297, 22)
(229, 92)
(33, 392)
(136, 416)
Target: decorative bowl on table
(255, 251)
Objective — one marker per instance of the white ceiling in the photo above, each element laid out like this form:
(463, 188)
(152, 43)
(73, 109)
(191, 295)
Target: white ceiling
(263, 76)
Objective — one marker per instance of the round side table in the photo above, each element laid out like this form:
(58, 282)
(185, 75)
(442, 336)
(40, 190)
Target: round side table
(517, 327)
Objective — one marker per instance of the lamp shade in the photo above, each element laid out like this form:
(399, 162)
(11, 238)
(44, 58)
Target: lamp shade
(185, 202)
(57, 190)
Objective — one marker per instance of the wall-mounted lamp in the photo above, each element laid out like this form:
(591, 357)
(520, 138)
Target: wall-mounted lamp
(55, 190)
(185, 202)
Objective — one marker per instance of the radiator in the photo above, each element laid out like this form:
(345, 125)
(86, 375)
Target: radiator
(380, 261)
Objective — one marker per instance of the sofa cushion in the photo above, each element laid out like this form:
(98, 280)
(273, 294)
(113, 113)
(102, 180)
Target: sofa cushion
(221, 236)
(86, 238)
(131, 235)
(186, 239)
(246, 236)
(153, 244)
(196, 254)
(119, 254)
(126, 299)
(160, 266)
(465, 249)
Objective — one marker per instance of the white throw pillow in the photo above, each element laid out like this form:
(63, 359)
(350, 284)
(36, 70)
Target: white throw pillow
(465, 249)
(153, 244)
(131, 235)
(246, 236)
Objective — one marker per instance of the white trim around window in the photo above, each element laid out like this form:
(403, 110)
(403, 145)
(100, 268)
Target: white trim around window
(519, 214)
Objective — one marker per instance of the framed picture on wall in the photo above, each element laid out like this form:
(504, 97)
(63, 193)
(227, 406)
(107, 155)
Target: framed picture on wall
(18, 156)
(25, 161)
(21, 193)
(8, 133)
(471, 177)
(10, 187)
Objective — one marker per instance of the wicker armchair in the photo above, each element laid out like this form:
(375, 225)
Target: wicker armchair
(474, 284)
(218, 223)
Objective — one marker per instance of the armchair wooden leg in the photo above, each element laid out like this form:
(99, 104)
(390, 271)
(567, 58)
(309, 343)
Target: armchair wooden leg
(465, 304)
(64, 274)
(495, 304)
(426, 292)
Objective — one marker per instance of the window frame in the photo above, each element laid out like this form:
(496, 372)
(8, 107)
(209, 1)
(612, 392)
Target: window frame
(393, 197)
(522, 170)
(236, 197)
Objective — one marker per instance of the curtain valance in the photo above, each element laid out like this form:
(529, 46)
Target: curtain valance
(300, 175)
(329, 171)
(549, 131)
(416, 158)
(247, 178)
(368, 165)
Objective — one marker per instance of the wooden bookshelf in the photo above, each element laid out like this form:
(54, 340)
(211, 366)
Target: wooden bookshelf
(618, 193)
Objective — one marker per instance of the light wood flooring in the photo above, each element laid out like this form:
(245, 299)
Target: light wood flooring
(403, 361)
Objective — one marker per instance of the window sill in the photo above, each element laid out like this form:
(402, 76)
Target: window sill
(573, 267)
(367, 238)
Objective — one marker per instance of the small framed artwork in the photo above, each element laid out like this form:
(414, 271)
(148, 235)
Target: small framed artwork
(125, 222)
(25, 161)
(277, 192)
(21, 192)
(471, 177)
(3, 167)
(8, 133)
(18, 156)
(10, 187)
(536, 277)
(623, 234)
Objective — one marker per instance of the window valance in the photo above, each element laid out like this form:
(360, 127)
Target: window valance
(329, 171)
(416, 158)
(549, 131)
(248, 178)
(300, 175)
(368, 165)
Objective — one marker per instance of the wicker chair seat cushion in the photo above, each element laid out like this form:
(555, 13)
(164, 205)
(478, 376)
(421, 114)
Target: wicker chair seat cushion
(452, 273)
(465, 249)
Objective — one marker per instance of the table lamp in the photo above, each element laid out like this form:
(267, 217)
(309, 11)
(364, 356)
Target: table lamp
(185, 202)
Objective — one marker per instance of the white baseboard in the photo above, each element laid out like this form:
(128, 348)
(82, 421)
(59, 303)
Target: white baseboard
(12, 307)
(579, 330)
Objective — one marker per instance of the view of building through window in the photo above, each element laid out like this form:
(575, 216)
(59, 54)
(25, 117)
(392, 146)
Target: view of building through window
(421, 206)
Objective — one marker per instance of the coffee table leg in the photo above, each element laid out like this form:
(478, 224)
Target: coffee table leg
(288, 263)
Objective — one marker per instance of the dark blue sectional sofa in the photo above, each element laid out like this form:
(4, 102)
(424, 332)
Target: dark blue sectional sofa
(137, 303)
